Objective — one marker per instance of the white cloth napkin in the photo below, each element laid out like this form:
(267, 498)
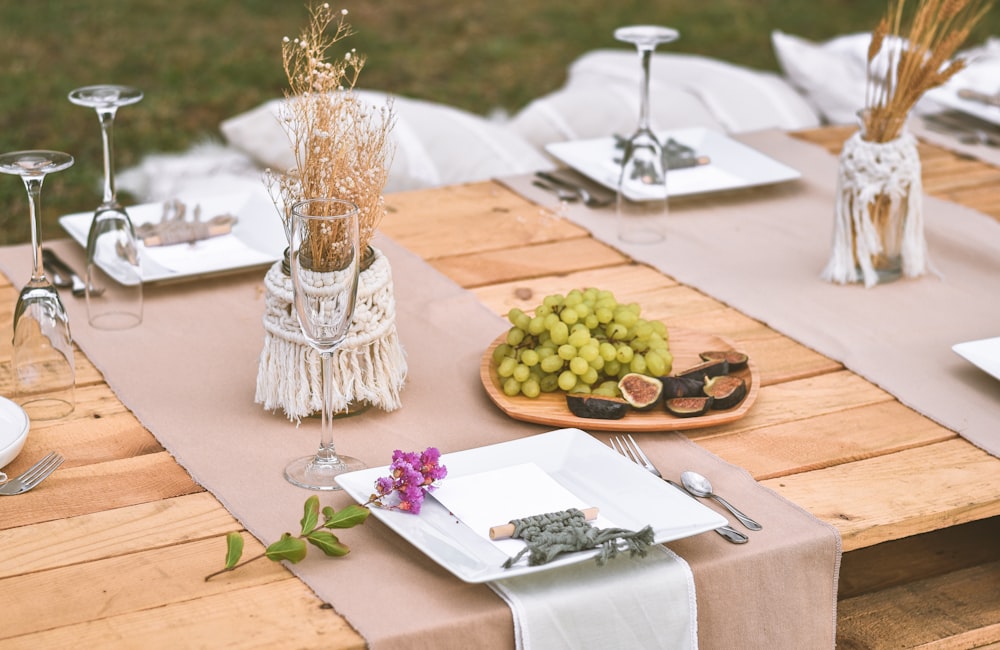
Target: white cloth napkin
(651, 602)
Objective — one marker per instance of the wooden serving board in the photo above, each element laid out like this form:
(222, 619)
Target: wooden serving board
(551, 408)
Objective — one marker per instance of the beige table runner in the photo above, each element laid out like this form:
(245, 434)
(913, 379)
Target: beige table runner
(761, 251)
(189, 374)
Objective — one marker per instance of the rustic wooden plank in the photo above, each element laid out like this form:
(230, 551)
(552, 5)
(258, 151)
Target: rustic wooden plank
(834, 438)
(280, 614)
(72, 491)
(481, 268)
(465, 219)
(110, 533)
(937, 553)
(906, 493)
(84, 441)
(955, 610)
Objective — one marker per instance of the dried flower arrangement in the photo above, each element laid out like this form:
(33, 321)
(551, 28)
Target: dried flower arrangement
(917, 59)
(341, 144)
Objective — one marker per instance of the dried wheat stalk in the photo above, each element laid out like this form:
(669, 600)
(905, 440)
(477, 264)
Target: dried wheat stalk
(918, 57)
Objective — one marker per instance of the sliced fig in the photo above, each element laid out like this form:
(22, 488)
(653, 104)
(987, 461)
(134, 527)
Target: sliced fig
(596, 407)
(728, 391)
(682, 387)
(689, 407)
(735, 358)
(641, 391)
(706, 369)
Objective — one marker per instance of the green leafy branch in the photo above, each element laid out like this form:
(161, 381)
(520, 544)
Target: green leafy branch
(294, 548)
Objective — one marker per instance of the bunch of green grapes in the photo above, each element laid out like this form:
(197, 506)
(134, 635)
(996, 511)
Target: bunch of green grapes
(583, 342)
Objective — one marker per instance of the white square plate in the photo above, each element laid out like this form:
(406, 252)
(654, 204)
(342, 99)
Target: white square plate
(257, 239)
(624, 492)
(947, 96)
(984, 353)
(732, 164)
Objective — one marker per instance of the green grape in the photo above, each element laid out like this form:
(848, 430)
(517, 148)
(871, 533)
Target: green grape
(578, 365)
(624, 354)
(511, 387)
(582, 310)
(590, 376)
(567, 380)
(569, 316)
(573, 298)
(589, 351)
(615, 331)
(553, 301)
(501, 351)
(604, 315)
(549, 383)
(579, 338)
(531, 388)
(597, 363)
(543, 310)
(607, 351)
(550, 320)
(613, 368)
(506, 367)
(591, 322)
(655, 364)
(529, 358)
(625, 317)
(559, 333)
(521, 373)
(536, 325)
(551, 363)
(514, 314)
(638, 364)
(566, 351)
(515, 336)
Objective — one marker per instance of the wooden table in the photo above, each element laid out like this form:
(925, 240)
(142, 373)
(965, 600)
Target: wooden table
(111, 551)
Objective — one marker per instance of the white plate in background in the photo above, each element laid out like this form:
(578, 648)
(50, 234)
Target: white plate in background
(985, 354)
(14, 425)
(732, 164)
(257, 239)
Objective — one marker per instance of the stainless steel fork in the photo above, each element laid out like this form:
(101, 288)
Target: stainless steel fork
(630, 449)
(32, 476)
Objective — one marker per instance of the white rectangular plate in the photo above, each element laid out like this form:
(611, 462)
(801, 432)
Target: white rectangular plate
(257, 239)
(624, 492)
(732, 165)
(947, 96)
(984, 353)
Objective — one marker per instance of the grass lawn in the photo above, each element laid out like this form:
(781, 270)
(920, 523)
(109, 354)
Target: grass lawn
(201, 61)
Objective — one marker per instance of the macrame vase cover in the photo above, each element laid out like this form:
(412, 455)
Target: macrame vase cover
(867, 171)
(368, 367)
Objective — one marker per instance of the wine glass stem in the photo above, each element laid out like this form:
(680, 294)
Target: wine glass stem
(107, 118)
(645, 58)
(33, 184)
(326, 448)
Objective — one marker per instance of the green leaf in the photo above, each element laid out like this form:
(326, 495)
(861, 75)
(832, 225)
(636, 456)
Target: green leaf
(234, 549)
(348, 517)
(311, 516)
(288, 548)
(328, 543)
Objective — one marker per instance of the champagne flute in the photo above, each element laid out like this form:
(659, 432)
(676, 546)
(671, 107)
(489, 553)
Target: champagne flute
(114, 277)
(44, 370)
(324, 259)
(641, 202)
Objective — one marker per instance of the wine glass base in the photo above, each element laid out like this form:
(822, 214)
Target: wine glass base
(115, 320)
(46, 408)
(314, 473)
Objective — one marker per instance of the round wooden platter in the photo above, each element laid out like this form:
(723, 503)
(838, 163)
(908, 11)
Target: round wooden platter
(551, 408)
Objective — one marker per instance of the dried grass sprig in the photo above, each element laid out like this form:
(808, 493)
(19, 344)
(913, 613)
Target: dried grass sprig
(340, 143)
(915, 59)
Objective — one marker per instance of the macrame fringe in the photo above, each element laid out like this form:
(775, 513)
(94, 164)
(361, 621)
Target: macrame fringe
(867, 170)
(369, 366)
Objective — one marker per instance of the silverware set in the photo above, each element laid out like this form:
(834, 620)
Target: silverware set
(967, 129)
(573, 190)
(32, 476)
(694, 485)
(64, 277)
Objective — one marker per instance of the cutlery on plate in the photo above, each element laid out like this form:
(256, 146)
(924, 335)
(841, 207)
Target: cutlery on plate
(562, 193)
(61, 271)
(590, 198)
(32, 476)
(630, 449)
(980, 97)
(967, 129)
(700, 486)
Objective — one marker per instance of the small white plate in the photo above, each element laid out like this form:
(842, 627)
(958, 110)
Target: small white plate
(732, 165)
(624, 492)
(257, 239)
(984, 354)
(14, 425)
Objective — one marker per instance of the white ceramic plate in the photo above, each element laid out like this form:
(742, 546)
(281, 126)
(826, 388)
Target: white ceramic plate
(625, 493)
(732, 165)
(257, 239)
(14, 425)
(984, 353)
(947, 96)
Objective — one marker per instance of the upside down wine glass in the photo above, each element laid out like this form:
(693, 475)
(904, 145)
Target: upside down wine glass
(324, 261)
(641, 203)
(44, 371)
(114, 277)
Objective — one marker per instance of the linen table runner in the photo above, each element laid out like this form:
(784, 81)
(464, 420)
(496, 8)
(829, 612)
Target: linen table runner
(761, 251)
(188, 373)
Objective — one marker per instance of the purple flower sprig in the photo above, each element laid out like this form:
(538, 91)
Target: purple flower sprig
(411, 476)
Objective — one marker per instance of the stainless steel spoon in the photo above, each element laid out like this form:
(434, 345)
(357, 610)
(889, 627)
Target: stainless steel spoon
(700, 486)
